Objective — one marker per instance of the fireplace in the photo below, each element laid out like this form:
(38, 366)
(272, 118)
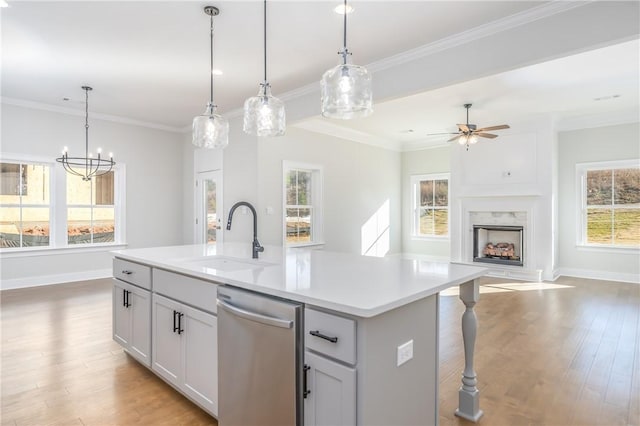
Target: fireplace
(503, 245)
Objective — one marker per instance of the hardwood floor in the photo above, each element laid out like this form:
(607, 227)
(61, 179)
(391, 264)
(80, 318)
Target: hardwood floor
(562, 353)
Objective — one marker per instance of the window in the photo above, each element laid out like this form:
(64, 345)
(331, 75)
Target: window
(609, 203)
(36, 212)
(90, 209)
(430, 205)
(303, 201)
(24, 204)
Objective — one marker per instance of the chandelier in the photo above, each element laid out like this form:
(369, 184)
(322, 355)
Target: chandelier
(264, 115)
(346, 89)
(210, 130)
(87, 166)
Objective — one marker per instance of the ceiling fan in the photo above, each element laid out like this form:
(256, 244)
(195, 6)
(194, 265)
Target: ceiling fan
(468, 133)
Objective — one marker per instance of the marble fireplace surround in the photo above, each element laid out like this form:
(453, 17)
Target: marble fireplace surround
(502, 211)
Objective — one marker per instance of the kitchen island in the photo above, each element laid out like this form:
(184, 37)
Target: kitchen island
(384, 368)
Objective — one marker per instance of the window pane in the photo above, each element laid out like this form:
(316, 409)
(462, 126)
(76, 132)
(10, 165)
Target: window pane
(426, 193)
(627, 186)
(35, 184)
(426, 222)
(599, 226)
(441, 222)
(212, 215)
(35, 226)
(10, 227)
(79, 225)
(304, 188)
(104, 189)
(78, 190)
(103, 225)
(627, 227)
(599, 187)
(442, 193)
(291, 187)
(298, 225)
(10, 176)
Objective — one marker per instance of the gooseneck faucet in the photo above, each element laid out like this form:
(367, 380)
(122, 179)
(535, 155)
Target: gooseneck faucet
(257, 248)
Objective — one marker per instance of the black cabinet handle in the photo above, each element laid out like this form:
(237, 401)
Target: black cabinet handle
(180, 329)
(127, 272)
(127, 302)
(124, 297)
(317, 333)
(306, 391)
(175, 327)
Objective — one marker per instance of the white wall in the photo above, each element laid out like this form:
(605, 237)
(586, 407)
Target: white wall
(589, 145)
(434, 160)
(153, 185)
(358, 181)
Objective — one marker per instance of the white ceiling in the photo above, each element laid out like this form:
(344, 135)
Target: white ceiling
(149, 61)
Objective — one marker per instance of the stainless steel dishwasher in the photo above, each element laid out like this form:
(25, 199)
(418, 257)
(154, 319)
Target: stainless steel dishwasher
(260, 359)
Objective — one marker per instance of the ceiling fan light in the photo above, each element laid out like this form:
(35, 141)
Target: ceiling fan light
(346, 92)
(210, 130)
(264, 115)
(473, 139)
(462, 140)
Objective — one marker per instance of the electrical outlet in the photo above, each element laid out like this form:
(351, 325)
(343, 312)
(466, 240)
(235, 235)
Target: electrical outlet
(405, 352)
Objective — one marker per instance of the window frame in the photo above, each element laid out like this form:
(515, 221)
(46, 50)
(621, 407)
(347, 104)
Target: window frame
(34, 160)
(581, 203)
(316, 206)
(416, 208)
(58, 241)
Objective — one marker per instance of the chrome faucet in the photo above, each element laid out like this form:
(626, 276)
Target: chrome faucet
(257, 248)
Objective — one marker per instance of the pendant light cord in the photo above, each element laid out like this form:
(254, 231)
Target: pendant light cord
(265, 42)
(211, 59)
(344, 40)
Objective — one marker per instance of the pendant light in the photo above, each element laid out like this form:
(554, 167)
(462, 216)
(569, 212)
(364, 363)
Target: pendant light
(88, 166)
(346, 88)
(210, 130)
(264, 114)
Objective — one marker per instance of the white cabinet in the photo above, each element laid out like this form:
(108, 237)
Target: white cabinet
(331, 385)
(131, 320)
(331, 400)
(185, 350)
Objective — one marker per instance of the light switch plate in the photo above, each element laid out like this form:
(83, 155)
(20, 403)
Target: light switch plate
(405, 352)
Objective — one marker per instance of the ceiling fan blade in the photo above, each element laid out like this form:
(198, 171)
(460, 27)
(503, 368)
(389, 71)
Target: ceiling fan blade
(486, 135)
(454, 138)
(500, 127)
(463, 127)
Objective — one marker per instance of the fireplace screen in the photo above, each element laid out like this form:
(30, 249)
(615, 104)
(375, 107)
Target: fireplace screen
(498, 244)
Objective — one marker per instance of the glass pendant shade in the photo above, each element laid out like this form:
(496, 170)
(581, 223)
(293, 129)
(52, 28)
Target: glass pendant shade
(346, 92)
(264, 115)
(210, 130)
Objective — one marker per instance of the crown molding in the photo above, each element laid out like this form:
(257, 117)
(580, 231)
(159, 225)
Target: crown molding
(94, 115)
(481, 31)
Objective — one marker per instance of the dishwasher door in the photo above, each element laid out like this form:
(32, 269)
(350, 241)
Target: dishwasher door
(259, 359)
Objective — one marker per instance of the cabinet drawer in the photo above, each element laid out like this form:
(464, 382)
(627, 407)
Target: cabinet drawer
(331, 335)
(192, 291)
(133, 273)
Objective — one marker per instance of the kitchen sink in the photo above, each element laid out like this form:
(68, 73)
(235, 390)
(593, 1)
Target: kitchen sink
(222, 263)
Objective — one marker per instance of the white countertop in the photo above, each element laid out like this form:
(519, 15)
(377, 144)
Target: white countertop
(357, 285)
